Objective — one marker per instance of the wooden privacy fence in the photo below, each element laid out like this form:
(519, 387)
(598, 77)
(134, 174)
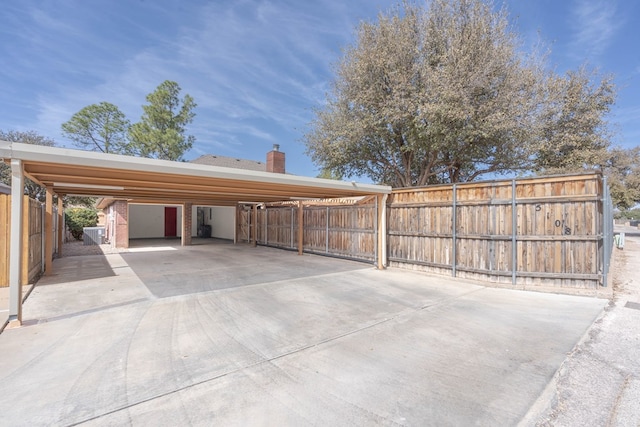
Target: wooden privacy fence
(32, 239)
(340, 227)
(551, 231)
(541, 231)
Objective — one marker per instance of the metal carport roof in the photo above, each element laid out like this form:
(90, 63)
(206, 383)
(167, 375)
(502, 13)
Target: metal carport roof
(65, 171)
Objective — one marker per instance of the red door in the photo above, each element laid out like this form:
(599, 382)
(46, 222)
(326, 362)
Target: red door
(170, 221)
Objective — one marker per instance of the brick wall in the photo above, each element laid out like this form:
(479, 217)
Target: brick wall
(187, 221)
(275, 160)
(121, 211)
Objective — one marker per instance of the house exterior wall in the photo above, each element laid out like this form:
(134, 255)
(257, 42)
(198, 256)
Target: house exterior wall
(147, 221)
(223, 222)
(121, 223)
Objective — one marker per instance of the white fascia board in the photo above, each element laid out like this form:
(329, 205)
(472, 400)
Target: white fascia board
(67, 156)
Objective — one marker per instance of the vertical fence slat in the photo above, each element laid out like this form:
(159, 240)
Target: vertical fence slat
(454, 227)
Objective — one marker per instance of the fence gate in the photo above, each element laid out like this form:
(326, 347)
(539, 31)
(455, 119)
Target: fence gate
(243, 221)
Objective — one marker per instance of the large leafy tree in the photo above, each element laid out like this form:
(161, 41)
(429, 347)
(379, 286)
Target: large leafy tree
(622, 168)
(574, 133)
(445, 94)
(99, 127)
(161, 131)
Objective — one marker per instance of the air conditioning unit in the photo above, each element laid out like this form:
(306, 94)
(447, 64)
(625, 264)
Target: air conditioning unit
(93, 236)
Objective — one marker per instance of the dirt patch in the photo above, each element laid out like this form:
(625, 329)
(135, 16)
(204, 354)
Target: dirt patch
(77, 248)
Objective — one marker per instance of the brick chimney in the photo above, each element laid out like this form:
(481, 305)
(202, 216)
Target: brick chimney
(275, 160)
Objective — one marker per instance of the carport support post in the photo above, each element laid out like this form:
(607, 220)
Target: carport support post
(186, 224)
(48, 231)
(60, 224)
(300, 228)
(254, 229)
(15, 252)
(381, 202)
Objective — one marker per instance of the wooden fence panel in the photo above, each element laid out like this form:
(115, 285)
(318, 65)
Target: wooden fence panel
(558, 230)
(33, 229)
(534, 231)
(243, 224)
(343, 231)
(280, 226)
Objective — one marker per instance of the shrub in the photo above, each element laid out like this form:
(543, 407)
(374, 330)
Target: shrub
(78, 218)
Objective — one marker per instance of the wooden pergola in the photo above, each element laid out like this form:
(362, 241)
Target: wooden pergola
(64, 171)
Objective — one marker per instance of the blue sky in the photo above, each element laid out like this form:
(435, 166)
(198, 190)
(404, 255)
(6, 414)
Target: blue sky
(255, 68)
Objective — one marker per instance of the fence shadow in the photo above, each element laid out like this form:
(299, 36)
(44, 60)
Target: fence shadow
(78, 268)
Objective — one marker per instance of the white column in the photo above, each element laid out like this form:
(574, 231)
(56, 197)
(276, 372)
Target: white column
(15, 256)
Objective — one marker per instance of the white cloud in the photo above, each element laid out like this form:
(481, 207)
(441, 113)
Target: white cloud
(255, 67)
(594, 24)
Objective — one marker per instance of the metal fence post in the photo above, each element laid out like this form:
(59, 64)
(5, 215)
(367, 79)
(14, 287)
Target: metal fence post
(607, 230)
(514, 231)
(376, 215)
(42, 237)
(454, 226)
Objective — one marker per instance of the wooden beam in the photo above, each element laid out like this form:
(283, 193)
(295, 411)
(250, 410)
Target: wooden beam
(382, 231)
(34, 179)
(60, 224)
(48, 231)
(15, 253)
(26, 213)
(300, 228)
(254, 225)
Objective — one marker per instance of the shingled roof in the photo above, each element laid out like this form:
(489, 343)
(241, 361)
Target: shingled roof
(230, 162)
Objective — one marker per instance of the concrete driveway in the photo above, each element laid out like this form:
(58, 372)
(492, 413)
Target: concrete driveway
(234, 335)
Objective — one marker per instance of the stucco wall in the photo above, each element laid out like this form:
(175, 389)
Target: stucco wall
(224, 222)
(147, 221)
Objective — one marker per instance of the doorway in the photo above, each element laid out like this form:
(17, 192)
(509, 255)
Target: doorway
(170, 221)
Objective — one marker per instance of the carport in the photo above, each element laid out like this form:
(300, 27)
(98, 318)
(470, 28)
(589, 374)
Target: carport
(69, 172)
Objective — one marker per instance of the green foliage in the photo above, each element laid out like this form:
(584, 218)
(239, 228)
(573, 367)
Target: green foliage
(622, 169)
(161, 131)
(631, 214)
(329, 174)
(80, 201)
(78, 218)
(99, 127)
(574, 134)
